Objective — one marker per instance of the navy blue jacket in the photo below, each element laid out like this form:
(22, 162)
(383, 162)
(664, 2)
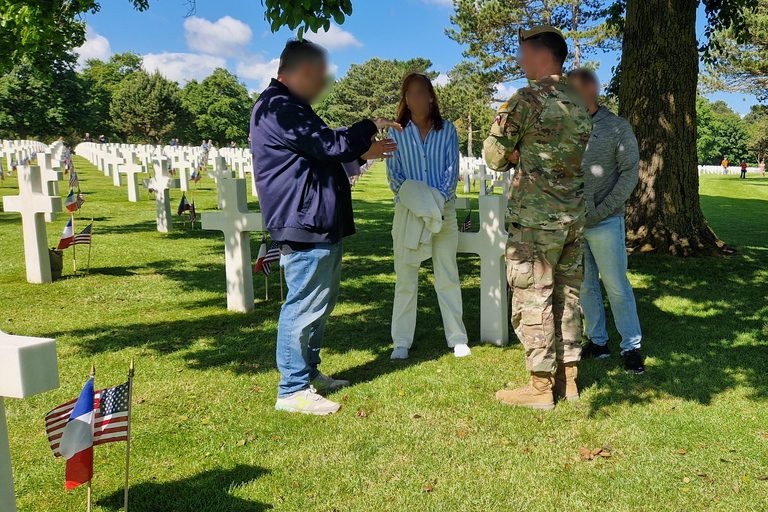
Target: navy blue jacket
(304, 192)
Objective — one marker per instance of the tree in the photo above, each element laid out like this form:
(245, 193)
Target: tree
(489, 29)
(659, 73)
(39, 32)
(757, 127)
(101, 80)
(741, 64)
(147, 108)
(220, 107)
(721, 132)
(371, 89)
(41, 104)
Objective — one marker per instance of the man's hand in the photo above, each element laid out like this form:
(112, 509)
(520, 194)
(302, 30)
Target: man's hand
(514, 158)
(383, 122)
(380, 149)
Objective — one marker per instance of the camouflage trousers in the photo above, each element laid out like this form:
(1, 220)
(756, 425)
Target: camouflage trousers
(545, 270)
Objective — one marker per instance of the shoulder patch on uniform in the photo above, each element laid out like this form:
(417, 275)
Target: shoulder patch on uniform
(504, 105)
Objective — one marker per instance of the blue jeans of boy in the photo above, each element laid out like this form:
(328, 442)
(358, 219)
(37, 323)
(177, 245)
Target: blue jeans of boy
(313, 278)
(605, 255)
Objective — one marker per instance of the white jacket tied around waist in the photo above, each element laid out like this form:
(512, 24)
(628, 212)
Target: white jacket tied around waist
(418, 215)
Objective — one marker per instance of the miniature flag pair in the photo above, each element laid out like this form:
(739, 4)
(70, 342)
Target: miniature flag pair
(74, 202)
(266, 257)
(69, 239)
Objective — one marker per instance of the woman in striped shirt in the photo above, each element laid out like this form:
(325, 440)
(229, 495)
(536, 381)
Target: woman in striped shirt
(428, 151)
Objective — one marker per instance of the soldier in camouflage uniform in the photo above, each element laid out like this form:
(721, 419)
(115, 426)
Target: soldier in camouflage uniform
(546, 127)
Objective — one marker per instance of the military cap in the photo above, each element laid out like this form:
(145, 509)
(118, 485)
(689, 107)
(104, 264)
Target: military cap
(523, 35)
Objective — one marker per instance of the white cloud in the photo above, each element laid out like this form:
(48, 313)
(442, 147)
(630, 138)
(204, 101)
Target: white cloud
(334, 39)
(442, 79)
(183, 67)
(505, 91)
(96, 46)
(226, 37)
(259, 69)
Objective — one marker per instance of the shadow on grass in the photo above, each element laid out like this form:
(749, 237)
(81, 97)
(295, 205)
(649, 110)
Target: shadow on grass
(705, 320)
(209, 491)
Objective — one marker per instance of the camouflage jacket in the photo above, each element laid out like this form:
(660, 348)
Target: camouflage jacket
(550, 125)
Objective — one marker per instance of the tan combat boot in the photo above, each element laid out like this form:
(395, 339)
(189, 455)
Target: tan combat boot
(565, 381)
(537, 394)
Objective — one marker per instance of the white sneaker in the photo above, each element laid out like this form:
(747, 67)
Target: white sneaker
(399, 353)
(325, 384)
(462, 350)
(307, 401)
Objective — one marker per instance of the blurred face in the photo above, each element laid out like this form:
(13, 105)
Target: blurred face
(532, 60)
(418, 98)
(586, 89)
(310, 79)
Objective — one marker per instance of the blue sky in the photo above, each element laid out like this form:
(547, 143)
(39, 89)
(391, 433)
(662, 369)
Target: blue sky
(233, 34)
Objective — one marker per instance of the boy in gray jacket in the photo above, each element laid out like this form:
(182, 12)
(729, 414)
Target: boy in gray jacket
(611, 165)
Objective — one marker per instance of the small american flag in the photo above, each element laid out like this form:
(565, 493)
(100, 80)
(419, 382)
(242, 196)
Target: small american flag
(192, 213)
(273, 254)
(84, 238)
(80, 199)
(110, 424)
(73, 181)
(467, 225)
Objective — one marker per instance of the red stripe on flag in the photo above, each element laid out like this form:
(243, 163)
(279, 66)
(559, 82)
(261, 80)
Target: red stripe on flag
(79, 469)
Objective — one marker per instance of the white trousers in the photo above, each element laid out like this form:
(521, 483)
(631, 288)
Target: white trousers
(444, 245)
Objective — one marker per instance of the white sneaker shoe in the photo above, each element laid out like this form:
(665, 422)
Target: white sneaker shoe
(307, 401)
(325, 384)
(399, 353)
(462, 350)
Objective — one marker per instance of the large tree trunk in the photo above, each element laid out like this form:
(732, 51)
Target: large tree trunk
(659, 74)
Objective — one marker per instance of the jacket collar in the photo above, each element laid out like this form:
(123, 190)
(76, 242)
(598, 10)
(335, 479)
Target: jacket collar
(601, 113)
(283, 89)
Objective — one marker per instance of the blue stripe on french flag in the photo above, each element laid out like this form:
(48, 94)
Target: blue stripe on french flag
(77, 439)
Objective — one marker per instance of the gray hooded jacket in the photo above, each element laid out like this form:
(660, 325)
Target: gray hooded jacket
(611, 166)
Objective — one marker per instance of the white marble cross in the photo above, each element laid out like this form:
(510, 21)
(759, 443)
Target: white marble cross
(50, 176)
(131, 170)
(28, 366)
(113, 162)
(220, 174)
(161, 183)
(33, 203)
(483, 177)
(236, 222)
(490, 243)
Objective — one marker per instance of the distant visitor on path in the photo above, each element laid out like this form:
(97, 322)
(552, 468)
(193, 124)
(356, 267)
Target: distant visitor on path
(724, 163)
(87, 137)
(423, 174)
(611, 167)
(301, 170)
(548, 122)
(743, 170)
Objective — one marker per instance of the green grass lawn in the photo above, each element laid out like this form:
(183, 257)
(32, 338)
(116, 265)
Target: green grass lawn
(691, 433)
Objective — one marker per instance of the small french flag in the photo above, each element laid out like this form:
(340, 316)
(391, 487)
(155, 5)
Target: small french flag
(77, 440)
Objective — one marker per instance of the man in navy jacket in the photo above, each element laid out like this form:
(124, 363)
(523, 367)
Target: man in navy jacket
(301, 170)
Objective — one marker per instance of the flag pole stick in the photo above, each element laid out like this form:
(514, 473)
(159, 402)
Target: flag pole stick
(128, 435)
(88, 505)
(74, 252)
(90, 243)
(266, 286)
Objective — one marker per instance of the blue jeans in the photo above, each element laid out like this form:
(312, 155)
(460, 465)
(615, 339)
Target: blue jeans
(313, 278)
(605, 255)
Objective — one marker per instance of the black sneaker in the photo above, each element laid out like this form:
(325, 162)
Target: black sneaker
(595, 351)
(633, 361)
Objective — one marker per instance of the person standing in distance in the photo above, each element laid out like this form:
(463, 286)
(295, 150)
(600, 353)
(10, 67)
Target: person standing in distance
(611, 166)
(301, 169)
(428, 152)
(548, 123)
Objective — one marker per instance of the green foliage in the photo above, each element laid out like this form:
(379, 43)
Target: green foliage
(371, 89)
(220, 108)
(757, 126)
(721, 133)
(147, 108)
(489, 29)
(306, 15)
(39, 104)
(39, 32)
(102, 79)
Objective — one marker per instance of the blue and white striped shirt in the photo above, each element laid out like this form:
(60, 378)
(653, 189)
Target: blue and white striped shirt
(435, 161)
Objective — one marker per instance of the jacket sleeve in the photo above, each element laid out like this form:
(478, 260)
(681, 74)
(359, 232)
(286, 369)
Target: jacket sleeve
(512, 121)
(395, 175)
(306, 133)
(451, 176)
(628, 160)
